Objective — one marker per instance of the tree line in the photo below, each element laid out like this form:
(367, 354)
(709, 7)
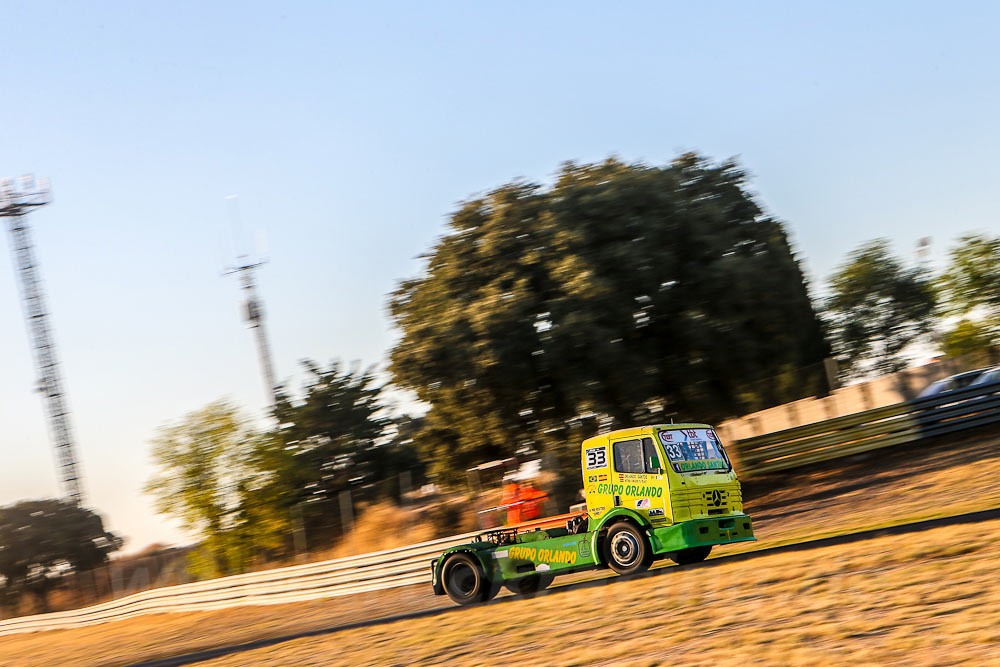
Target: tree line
(618, 294)
(878, 307)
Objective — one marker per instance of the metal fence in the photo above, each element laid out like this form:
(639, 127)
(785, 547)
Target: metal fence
(887, 426)
(343, 576)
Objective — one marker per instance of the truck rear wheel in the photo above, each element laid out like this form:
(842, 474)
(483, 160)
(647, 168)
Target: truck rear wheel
(691, 555)
(464, 580)
(626, 550)
(529, 584)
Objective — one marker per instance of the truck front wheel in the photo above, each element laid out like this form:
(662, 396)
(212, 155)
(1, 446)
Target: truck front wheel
(626, 550)
(464, 580)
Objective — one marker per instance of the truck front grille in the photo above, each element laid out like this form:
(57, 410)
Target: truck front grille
(703, 502)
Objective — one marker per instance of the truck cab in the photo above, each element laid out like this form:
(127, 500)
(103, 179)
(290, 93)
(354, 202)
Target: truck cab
(652, 492)
(667, 474)
(673, 479)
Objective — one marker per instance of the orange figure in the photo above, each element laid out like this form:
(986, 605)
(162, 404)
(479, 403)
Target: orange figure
(511, 499)
(523, 502)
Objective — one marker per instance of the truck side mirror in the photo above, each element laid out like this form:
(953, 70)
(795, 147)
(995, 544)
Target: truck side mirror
(654, 465)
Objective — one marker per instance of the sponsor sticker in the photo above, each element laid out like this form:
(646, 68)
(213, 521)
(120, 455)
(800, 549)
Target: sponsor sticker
(709, 464)
(631, 490)
(642, 503)
(656, 511)
(543, 555)
(500, 554)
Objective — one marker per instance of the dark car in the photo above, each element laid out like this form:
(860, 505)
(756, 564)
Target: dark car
(959, 381)
(991, 375)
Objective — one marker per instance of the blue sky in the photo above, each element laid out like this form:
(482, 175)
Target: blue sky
(350, 131)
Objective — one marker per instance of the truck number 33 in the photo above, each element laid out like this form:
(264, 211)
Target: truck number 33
(596, 458)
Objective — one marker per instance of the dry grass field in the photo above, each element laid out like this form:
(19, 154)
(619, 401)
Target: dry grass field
(925, 600)
(929, 597)
(898, 485)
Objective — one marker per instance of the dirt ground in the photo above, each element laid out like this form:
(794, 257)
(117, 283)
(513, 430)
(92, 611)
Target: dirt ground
(924, 481)
(875, 602)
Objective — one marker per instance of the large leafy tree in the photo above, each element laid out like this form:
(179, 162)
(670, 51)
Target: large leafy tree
(877, 308)
(203, 473)
(336, 437)
(42, 540)
(971, 283)
(967, 339)
(244, 491)
(334, 429)
(624, 293)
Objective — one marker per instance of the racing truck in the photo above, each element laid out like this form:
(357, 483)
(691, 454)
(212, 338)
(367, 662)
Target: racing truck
(652, 492)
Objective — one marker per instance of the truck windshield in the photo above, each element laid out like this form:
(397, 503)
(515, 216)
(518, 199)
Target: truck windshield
(691, 449)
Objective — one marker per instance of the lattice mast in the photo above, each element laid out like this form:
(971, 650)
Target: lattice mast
(254, 314)
(253, 305)
(15, 203)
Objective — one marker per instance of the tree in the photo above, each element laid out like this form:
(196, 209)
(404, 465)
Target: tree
(245, 492)
(972, 281)
(877, 308)
(337, 437)
(622, 294)
(203, 473)
(43, 540)
(967, 339)
(334, 429)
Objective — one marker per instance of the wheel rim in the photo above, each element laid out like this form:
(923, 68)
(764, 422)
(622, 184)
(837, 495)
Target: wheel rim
(625, 549)
(462, 579)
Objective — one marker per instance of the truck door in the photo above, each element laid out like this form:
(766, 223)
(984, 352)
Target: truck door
(639, 481)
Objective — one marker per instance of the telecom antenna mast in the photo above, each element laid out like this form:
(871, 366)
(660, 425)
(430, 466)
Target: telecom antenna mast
(15, 203)
(253, 306)
(254, 314)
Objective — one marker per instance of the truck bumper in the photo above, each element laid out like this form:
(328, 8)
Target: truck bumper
(702, 533)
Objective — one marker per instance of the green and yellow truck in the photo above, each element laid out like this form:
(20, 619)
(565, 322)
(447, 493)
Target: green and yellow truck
(652, 492)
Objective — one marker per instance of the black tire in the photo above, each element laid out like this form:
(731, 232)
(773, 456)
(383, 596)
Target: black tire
(464, 580)
(691, 555)
(626, 549)
(492, 588)
(530, 584)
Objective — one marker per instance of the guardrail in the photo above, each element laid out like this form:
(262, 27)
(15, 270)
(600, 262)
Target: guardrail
(887, 426)
(344, 576)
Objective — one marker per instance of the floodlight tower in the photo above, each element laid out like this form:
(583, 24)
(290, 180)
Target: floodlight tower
(15, 203)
